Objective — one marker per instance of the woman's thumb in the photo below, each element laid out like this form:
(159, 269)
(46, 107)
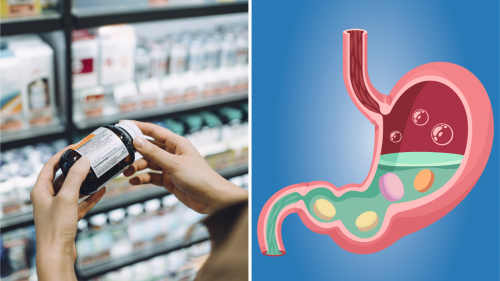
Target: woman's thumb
(152, 152)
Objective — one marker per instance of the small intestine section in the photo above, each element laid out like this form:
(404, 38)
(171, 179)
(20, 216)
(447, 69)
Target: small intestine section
(433, 136)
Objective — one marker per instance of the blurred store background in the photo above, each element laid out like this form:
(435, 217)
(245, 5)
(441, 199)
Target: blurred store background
(68, 67)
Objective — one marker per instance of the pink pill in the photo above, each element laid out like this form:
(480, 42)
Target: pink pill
(391, 187)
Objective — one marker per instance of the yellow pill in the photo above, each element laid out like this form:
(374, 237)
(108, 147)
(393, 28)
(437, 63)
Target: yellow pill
(324, 209)
(367, 221)
(424, 180)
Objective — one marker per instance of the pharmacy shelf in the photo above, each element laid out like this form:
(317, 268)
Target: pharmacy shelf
(10, 222)
(151, 192)
(93, 17)
(33, 24)
(120, 201)
(200, 234)
(16, 139)
(160, 112)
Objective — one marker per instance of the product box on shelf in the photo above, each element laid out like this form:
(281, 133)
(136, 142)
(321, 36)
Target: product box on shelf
(15, 8)
(10, 90)
(85, 50)
(36, 61)
(117, 45)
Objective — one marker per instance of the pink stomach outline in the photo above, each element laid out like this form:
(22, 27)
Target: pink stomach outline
(403, 218)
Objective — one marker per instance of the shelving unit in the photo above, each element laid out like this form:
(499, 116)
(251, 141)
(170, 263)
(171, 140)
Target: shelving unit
(90, 17)
(22, 138)
(200, 234)
(42, 23)
(68, 19)
(150, 193)
(161, 112)
(11, 222)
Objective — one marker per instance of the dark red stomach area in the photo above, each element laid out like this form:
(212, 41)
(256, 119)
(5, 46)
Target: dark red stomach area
(428, 117)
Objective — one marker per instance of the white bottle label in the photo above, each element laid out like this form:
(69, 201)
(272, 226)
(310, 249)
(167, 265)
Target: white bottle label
(104, 149)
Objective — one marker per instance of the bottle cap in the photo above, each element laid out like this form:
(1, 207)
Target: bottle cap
(98, 220)
(116, 215)
(135, 209)
(82, 224)
(170, 201)
(152, 205)
(131, 128)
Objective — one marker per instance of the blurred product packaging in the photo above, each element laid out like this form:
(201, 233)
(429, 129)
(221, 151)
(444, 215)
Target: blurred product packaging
(144, 73)
(10, 83)
(34, 59)
(116, 56)
(16, 8)
(85, 55)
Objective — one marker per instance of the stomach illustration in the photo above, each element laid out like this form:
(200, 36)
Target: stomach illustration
(433, 136)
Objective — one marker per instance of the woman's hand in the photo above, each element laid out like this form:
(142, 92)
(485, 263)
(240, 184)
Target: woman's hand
(183, 171)
(56, 212)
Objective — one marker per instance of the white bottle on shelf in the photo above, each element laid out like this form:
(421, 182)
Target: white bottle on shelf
(178, 59)
(159, 59)
(135, 224)
(142, 64)
(8, 192)
(152, 224)
(242, 49)
(126, 96)
(84, 243)
(121, 244)
(170, 221)
(172, 89)
(150, 92)
(101, 238)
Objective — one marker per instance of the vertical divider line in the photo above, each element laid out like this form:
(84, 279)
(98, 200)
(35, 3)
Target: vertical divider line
(68, 26)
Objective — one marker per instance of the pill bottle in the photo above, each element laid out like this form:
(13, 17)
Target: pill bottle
(110, 149)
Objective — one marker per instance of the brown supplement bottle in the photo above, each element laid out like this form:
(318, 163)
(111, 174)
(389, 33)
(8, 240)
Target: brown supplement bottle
(110, 149)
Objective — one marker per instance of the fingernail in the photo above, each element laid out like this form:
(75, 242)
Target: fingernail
(139, 142)
(129, 171)
(134, 181)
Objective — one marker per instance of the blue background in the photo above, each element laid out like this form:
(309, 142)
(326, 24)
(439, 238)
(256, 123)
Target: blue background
(306, 128)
